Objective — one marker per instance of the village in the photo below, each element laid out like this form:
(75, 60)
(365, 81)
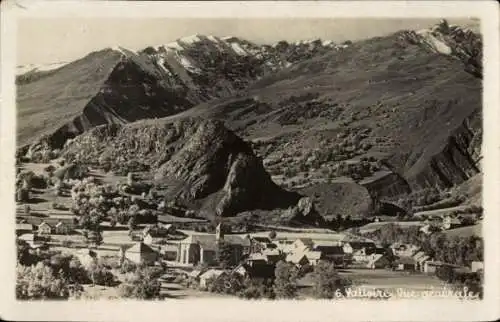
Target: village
(63, 209)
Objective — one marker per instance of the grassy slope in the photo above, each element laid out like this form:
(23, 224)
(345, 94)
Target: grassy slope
(48, 103)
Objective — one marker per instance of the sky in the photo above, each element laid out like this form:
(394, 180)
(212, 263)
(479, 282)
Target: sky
(51, 40)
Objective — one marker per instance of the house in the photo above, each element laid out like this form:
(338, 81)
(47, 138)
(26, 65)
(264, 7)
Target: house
(272, 255)
(404, 250)
(347, 248)
(351, 247)
(139, 253)
(405, 264)
(313, 257)
(210, 275)
(334, 254)
(363, 254)
(298, 258)
(44, 228)
(284, 245)
(23, 228)
(430, 267)
(377, 261)
(302, 244)
(255, 271)
(258, 244)
(87, 257)
(62, 228)
(420, 258)
(476, 266)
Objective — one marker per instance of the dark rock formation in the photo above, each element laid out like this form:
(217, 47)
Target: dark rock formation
(199, 159)
(386, 185)
(456, 162)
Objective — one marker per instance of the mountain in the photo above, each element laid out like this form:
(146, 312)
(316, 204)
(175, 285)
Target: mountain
(392, 113)
(200, 163)
(116, 85)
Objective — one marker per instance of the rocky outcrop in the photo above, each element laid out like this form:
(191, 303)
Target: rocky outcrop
(341, 198)
(199, 159)
(456, 162)
(386, 185)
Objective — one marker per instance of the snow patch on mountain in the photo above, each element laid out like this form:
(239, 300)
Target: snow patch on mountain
(187, 64)
(23, 69)
(237, 48)
(437, 44)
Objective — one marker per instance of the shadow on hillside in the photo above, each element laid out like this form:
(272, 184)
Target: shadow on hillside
(35, 200)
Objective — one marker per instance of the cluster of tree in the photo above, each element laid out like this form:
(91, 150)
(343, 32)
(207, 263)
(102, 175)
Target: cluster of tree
(94, 203)
(25, 181)
(356, 171)
(52, 275)
(142, 284)
(225, 255)
(472, 281)
(327, 282)
(453, 250)
(340, 223)
(423, 197)
(39, 282)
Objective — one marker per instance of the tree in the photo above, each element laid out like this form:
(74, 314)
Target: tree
(99, 275)
(39, 283)
(225, 254)
(142, 284)
(285, 283)
(23, 195)
(327, 282)
(132, 224)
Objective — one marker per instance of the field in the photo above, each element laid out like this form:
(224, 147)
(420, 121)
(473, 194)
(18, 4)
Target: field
(475, 230)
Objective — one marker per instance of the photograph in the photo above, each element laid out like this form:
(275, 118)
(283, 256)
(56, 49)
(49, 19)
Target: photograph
(177, 159)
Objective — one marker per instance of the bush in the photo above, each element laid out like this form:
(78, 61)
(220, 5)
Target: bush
(285, 283)
(327, 283)
(253, 289)
(39, 283)
(127, 267)
(23, 195)
(99, 275)
(140, 285)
